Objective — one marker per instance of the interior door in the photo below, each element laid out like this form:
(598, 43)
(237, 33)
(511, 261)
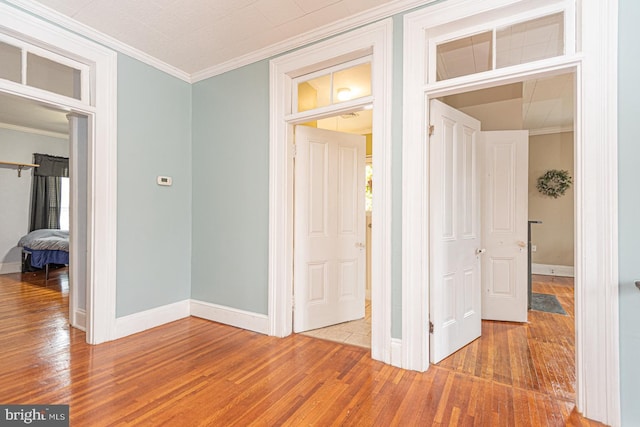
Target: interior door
(455, 280)
(329, 247)
(505, 159)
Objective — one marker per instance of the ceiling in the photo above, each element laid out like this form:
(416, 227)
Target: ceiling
(194, 35)
(24, 113)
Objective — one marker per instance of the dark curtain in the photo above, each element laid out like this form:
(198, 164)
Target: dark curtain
(45, 195)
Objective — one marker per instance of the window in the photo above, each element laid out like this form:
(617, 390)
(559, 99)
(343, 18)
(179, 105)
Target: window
(341, 83)
(500, 47)
(32, 66)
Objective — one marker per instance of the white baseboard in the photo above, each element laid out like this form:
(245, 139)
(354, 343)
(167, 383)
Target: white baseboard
(148, 319)
(552, 270)
(10, 267)
(80, 320)
(231, 316)
(396, 352)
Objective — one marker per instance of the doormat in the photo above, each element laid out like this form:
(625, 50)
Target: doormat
(547, 303)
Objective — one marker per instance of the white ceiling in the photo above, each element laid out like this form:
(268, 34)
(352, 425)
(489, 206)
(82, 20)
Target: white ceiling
(194, 35)
(548, 103)
(16, 112)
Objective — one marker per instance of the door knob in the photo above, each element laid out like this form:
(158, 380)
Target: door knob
(480, 251)
(522, 244)
(360, 245)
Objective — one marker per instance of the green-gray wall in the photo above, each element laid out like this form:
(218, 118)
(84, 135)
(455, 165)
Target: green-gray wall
(231, 189)
(154, 222)
(629, 208)
(396, 177)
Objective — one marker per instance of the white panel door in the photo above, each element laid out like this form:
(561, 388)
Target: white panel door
(455, 231)
(505, 158)
(329, 247)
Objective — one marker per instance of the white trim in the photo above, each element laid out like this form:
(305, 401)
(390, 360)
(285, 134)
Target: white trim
(91, 33)
(138, 322)
(596, 267)
(34, 131)
(10, 267)
(378, 13)
(79, 319)
(378, 38)
(396, 352)
(550, 130)
(596, 192)
(76, 255)
(553, 270)
(102, 162)
(230, 316)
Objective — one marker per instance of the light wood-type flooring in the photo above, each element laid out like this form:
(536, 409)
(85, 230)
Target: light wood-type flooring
(195, 372)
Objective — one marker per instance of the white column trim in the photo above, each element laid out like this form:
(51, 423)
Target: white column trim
(596, 266)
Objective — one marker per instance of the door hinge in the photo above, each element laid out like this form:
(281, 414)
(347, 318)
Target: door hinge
(430, 327)
(431, 129)
(294, 151)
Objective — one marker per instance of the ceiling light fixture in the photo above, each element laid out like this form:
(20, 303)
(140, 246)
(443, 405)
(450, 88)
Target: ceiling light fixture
(344, 94)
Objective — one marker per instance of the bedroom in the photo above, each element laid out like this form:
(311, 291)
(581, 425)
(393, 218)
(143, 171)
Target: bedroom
(32, 133)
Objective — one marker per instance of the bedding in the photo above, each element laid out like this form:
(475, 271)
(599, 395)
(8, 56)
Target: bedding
(46, 246)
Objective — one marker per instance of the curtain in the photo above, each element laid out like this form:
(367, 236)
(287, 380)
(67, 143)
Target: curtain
(46, 194)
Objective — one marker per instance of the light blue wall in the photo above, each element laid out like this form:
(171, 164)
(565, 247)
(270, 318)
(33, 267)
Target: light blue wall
(629, 208)
(231, 189)
(154, 222)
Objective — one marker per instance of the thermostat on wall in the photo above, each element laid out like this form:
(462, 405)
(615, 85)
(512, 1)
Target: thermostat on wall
(164, 180)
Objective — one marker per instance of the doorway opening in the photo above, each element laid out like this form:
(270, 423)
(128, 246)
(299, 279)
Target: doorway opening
(375, 41)
(348, 289)
(44, 243)
(519, 353)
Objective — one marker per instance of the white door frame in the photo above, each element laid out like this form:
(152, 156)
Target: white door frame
(101, 109)
(596, 255)
(375, 39)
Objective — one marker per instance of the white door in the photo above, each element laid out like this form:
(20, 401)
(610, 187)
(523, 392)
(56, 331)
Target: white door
(505, 160)
(455, 280)
(329, 247)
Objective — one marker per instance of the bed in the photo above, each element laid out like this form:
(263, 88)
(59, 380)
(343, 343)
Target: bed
(45, 247)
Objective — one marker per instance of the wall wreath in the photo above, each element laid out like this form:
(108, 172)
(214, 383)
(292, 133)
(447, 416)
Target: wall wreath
(554, 183)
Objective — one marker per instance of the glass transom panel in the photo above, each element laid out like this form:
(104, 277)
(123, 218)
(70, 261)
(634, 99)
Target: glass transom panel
(334, 87)
(464, 56)
(52, 76)
(530, 41)
(520, 43)
(11, 62)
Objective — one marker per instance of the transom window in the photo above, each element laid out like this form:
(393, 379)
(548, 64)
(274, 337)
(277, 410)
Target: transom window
(501, 46)
(331, 86)
(31, 66)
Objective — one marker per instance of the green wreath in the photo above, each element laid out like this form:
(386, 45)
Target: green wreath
(554, 183)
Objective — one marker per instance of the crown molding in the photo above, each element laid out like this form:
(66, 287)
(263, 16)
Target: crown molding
(35, 131)
(71, 24)
(330, 30)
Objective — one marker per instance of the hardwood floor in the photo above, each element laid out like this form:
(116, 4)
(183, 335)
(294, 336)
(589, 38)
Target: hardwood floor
(195, 372)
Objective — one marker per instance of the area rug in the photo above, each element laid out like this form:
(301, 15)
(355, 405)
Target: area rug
(547, 303)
